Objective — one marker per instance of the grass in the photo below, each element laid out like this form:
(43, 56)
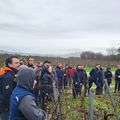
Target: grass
(89, 68)
(77, 109)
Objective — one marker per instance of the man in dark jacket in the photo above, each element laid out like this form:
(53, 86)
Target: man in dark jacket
(108, 76)
(7, 84)
(47, 88)
(44, 70)
(117, 79)
(95, 77)
(46, 65)
(101, 77)
(59, 77)
(23, 102)
(79, 79)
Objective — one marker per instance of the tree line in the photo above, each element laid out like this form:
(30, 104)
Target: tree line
(88, 58)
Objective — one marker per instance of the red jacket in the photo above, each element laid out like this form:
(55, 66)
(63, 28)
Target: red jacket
(71, 71)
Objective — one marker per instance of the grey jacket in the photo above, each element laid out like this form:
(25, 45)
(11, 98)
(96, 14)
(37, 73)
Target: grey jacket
(30, 110)
(27, 105)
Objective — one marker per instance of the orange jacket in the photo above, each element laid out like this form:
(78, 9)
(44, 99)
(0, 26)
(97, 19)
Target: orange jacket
(4, 69)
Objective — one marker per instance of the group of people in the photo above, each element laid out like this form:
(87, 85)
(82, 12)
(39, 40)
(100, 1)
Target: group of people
(25, 89)
(17, 91)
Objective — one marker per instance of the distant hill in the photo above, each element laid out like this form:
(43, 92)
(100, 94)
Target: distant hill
(72, 54)
(3, 52)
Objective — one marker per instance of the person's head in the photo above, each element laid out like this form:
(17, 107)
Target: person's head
(59, 65)
(26, 78)
(13, 62)
(118, 66)
(31, 61)
(50, 69)
(98, 66)
(66, 66)
(80, 66)
(108, 68)
(47, 64)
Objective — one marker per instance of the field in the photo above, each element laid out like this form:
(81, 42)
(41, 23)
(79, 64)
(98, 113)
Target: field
(69, 108)
(89, 68)
(78, 109)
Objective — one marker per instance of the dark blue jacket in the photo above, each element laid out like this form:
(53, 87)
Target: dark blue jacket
(117, 75)
(59, 74)
(80, 76)
(95, 74)
(108, 74)
(18, 94)
(47, 83)
(7, 84)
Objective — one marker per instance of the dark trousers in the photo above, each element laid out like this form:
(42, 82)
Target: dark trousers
(76, 90)
(118, 82)
(109, 82)
(44, 101)
(116, 85)
(85, 88)
(4, 116)
(98, 86)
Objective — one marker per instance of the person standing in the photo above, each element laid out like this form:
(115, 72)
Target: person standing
(47, 88)
(94, 78)
(108, 76)
(59, 77)
(23, 104)
(7, 84)
(79, 79)
(117, 79)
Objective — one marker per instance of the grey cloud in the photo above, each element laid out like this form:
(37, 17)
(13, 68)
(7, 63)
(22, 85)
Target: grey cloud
(66, 21)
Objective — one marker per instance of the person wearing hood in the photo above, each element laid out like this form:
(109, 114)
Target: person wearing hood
(23, 102)
(7, 83)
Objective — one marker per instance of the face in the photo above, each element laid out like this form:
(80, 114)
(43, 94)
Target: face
(50, 69)
(80, 67)
(47, 65)
(98, 66)
(31, 62)
(118, 66)
(15, 63)
(34, 84)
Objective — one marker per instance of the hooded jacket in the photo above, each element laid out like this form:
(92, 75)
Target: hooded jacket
(23, 103)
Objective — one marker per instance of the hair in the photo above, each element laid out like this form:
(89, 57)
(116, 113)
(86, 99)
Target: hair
(46, 61)
(9, 59)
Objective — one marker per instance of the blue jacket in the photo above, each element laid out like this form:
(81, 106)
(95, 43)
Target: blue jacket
(117, 75)
(95, 74)
(80, 76)
(59, 74)
(23, 102)
(108, 74)
(18, 94)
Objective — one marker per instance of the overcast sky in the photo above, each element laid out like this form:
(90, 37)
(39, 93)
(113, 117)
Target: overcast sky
(59, 26)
